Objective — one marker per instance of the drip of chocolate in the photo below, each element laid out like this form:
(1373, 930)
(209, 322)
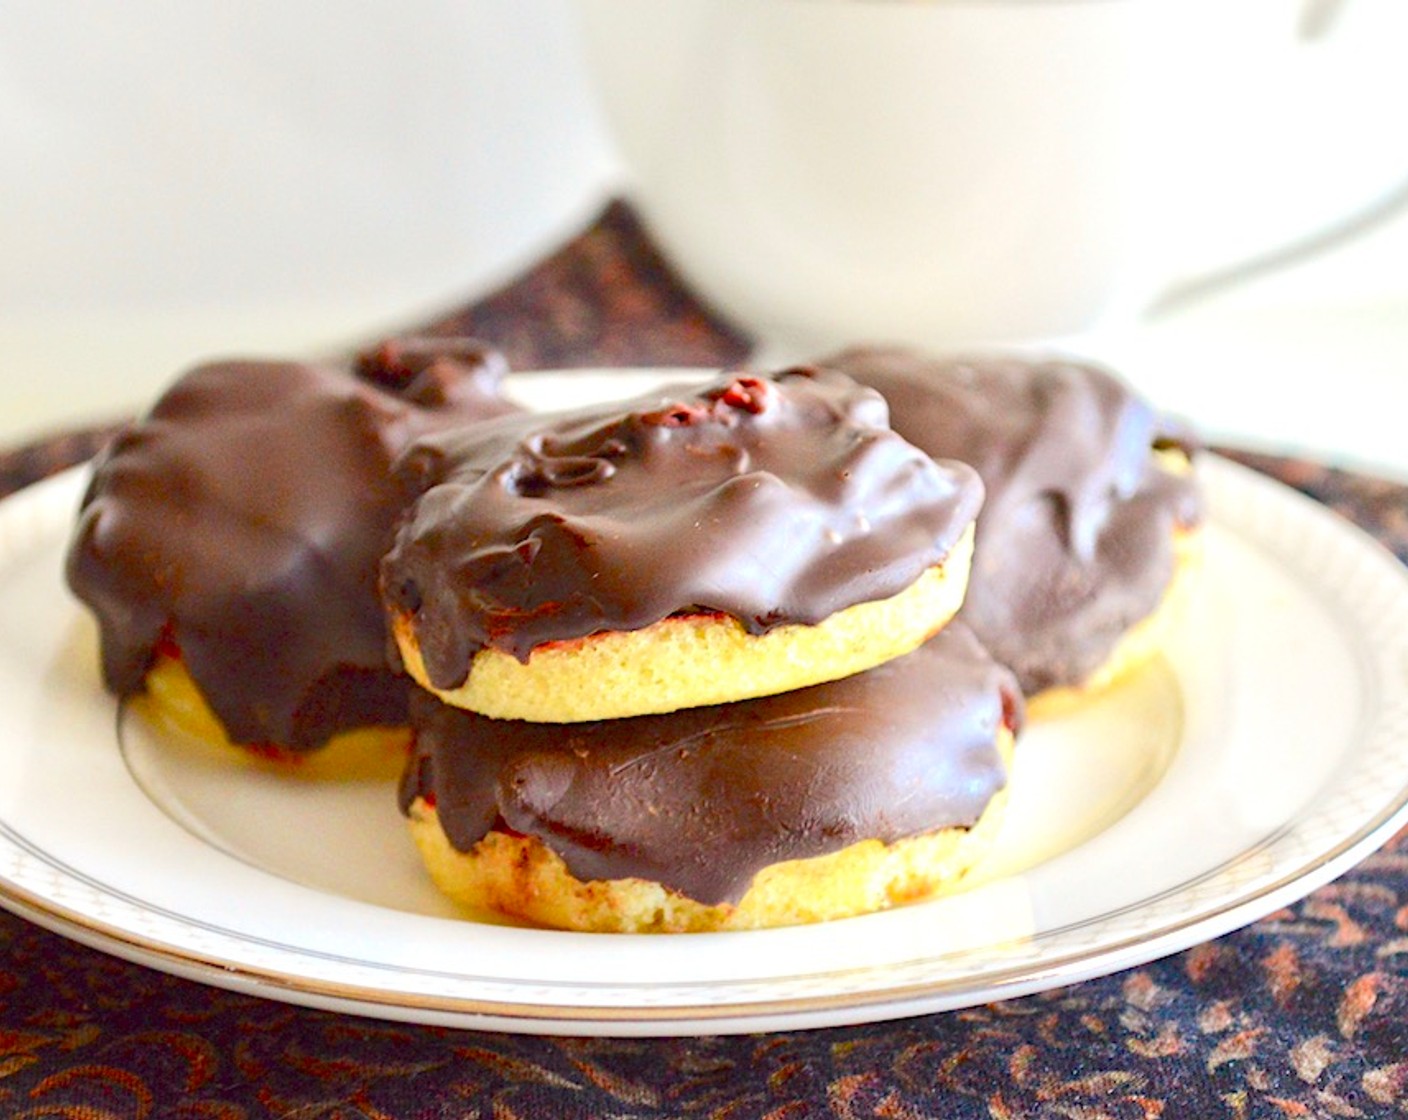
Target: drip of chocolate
(771, 500)
(1075, 541)
(242, 522)
(701, 800)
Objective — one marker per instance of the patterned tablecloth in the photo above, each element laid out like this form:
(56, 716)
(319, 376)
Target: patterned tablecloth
(1302, 1014)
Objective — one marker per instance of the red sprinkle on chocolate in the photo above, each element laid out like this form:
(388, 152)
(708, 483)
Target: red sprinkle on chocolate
(166, 645)
(752, 394)
(676, 416)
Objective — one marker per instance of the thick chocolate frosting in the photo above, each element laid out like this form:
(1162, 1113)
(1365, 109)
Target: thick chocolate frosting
(243, 519)
(701, 800)
(773, 500)
(1075, 540)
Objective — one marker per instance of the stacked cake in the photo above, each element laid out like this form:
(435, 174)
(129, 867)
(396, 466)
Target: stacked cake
(683, 661)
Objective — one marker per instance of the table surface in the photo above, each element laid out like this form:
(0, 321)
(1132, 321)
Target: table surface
(1301, 1014)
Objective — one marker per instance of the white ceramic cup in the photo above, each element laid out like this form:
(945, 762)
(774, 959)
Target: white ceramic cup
(952, 171)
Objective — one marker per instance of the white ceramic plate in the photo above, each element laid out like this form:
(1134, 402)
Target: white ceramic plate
(1265, 753)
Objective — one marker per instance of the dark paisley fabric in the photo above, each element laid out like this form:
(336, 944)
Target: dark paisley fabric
(1302, 1014)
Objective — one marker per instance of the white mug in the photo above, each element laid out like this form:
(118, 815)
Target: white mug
(953, 171)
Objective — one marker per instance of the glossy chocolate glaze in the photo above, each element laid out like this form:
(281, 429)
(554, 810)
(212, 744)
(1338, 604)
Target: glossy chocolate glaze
(701, 800)
(772, 500)
(243, 520)
(1075, 539)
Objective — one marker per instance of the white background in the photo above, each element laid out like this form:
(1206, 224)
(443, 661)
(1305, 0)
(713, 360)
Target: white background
(182, 179)
(179, 181)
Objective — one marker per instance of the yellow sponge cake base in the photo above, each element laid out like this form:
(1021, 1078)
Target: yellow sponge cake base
(173, 701)
(1142, 641)
(521, 877)
(689, 661)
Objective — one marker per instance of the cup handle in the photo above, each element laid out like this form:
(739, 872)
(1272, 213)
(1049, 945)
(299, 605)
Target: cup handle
(1317, 22)
(1359, 224)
